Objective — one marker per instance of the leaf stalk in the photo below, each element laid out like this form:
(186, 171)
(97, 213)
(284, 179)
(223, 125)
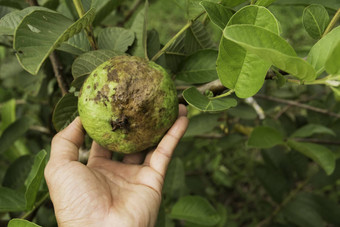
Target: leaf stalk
(332, 23)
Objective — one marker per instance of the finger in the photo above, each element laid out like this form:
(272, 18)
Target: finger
(160, 158)
(65, 145)
(182, 110)
(134, 159)
(99, 152)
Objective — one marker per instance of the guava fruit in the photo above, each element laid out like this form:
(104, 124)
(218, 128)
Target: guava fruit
(127, 104)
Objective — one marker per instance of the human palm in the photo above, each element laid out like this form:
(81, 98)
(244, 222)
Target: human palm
(106, 192)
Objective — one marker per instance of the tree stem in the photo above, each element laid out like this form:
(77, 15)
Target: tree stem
(89, 33)
(332, 23)
(57, 69)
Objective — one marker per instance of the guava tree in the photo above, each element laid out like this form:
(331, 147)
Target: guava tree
(261, 79)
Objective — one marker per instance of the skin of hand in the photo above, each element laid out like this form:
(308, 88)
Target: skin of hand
(106, 192)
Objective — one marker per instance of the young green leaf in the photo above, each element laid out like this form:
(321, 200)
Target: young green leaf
(203, 103)
(199, 67)
(47, 30)
(333, 61)
(9, 23)
(195, 209)
(77, 44)
(34, 179)
(11, 200)
(237, 68)
(116, 38)
(13, 132)
(315, 19)
(217, 13)
(65, 111)
(264, 3)
(320, 154)
(21, 223)
(197, 38)
(86, 63)
(311, 129)
(320, 52)
(7, 114)
(265, 137)
(270, 47)
(202, 124)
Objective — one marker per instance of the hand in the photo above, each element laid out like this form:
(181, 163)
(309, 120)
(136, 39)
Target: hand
(106, 192)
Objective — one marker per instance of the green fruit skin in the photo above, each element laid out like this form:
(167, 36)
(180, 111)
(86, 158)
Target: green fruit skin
(127, 104)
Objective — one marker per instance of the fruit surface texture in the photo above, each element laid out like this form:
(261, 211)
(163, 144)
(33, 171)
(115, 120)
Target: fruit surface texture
(127, 104)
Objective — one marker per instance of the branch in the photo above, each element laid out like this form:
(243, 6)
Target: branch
(57, 68)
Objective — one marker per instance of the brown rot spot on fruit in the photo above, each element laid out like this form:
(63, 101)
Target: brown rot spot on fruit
(120, 123)
(95, 86)
(88, 87)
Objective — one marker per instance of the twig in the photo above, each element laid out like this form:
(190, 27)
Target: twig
(41, 129)
(300, 105)
(36, 206)
(318, 141)
(291, 195)
(130, 12)
(332, 23)
(57, 68)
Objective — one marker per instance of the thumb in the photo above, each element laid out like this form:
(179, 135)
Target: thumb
(65, 145)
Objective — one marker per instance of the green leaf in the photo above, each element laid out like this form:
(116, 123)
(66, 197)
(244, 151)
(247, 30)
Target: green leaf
(197, 38)
(331, 4)
(332, 64)
(103, 9)
(203, 103)
(195, 209)
(47, 31)
(232, 3)
(139, 28)
(9, 23)
(265, 137)
(14, 132)
(7, 114)
(320, 52)
(11, 200)
(21, 223)
(154, 45)
(17, 172)
(199, 67)
(302, 211)
(78, 82)
(217, 13)
(264, 3)
(311, 129)
(271, 48)
(202, 124)
(320, 154)
(86, 63)
(115, 38)
(77, 44)
(4, 10)
(174, 184)
(34, 179)
(65, 111)
(175, 54)
(237, 68)
(315, 19)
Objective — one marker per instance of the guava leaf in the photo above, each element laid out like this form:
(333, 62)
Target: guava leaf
(272, 48)
(21, 223)
(217, 13)
(197, 38)
(315, 20)
(139, 27)
(9, 22)
(232, 3)
(320, 52)
(34, 179)
(195, 209)
(65, 111)
(237, 68)
(11, 200)
(320, 154)
(175, 54)
(265, 137)
(103, 9)
(332, 64)
(331, 4)
(13, 132)
(311, 129)
(203, 103)
(86, 63)
(264, 3)
(199, 67)
(116, 38)
(201, 124)
(174, 183)
(77, 44)
(47, 30)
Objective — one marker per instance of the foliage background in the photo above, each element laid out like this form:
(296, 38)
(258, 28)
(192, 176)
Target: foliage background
(214, 172)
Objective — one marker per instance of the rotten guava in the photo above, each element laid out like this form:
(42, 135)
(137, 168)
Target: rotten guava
(127, 104)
